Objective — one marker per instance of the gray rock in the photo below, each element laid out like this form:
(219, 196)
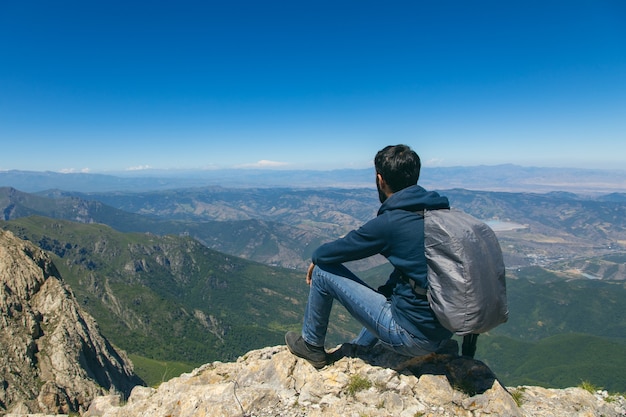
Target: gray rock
(54, 358)
(273, 382)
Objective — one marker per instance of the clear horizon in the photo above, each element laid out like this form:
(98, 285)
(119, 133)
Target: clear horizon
(173, 171)
(105, 87)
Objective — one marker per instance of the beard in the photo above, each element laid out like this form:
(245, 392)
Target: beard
(381, 195)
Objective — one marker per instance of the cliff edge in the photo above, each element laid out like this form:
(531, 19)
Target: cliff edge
(54, 359)
(273, 382)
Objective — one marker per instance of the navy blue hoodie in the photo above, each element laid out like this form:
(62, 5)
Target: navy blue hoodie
(397, 233)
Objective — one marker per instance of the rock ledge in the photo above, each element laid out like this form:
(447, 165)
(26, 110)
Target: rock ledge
(272, 382)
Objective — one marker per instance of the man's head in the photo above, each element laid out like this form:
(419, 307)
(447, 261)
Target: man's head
(399, 166)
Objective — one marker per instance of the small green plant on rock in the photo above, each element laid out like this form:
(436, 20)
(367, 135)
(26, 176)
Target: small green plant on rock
(518, 395)
(358, 383)
(589, 387)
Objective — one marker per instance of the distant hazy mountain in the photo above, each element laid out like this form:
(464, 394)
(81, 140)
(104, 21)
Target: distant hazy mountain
(231, 230)
(492, 177)
(576, 235)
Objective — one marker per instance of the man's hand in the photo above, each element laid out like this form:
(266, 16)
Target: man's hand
(309, 273)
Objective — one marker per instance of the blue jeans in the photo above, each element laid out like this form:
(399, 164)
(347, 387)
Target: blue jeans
(365, 304)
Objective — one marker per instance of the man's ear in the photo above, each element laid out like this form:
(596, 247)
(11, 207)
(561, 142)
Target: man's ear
(383, 185)
(380, 180)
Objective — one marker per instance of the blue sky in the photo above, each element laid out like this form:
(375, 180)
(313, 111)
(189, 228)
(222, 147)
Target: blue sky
(111, 85)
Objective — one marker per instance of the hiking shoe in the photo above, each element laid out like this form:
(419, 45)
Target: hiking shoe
(315, 355)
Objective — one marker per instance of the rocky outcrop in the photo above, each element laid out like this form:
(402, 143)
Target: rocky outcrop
(54, 359)
(272, 382)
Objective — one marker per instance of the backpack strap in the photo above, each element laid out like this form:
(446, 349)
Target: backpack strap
(419, 291)
(468, 349)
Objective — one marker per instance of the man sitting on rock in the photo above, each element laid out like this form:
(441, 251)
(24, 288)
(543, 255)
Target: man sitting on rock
(394, 315)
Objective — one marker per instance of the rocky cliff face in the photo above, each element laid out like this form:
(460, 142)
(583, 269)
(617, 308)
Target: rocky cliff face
(54, 359)
(272, 382)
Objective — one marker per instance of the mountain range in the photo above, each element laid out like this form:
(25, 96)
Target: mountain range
(56, 362)
(574, 235)
(154, 281)
(507, 177)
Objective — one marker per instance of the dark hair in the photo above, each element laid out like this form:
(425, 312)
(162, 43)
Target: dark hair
(399, 166)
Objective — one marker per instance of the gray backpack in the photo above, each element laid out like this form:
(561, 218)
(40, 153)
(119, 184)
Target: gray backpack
(466, 277)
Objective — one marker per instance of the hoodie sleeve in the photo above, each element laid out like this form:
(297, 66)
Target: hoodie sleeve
(368, 240)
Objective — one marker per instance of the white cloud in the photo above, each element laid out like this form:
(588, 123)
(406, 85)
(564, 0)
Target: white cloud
(74, 171)
(264, 163)
(138, 168)
(434, 162)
